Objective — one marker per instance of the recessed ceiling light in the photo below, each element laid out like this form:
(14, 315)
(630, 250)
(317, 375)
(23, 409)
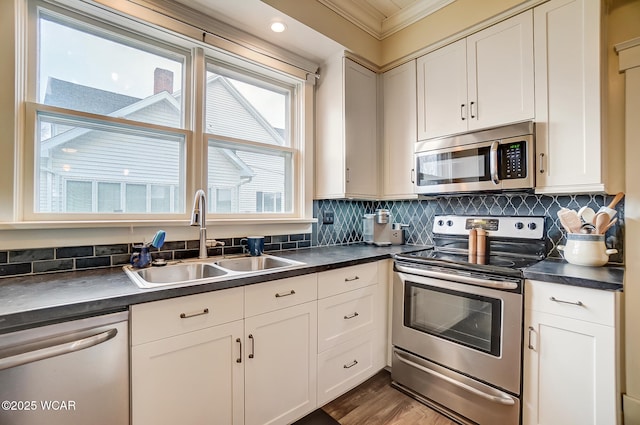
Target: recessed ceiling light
(278, 26)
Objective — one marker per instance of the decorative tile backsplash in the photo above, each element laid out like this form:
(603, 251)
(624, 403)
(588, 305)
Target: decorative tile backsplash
(419, 214)
(346, 229)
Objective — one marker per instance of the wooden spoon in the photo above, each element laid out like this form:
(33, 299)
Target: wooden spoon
(601, 221)
(610, 225)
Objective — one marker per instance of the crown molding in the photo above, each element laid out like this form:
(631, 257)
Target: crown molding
(374, 22)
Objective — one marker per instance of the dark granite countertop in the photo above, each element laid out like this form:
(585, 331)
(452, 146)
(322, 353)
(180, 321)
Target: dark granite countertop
(30, 301)
(608, 278)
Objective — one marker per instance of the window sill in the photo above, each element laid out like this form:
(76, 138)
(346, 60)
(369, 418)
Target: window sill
(31, 225)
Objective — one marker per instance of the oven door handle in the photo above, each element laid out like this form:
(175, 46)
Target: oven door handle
(507, 401)
(487, 283)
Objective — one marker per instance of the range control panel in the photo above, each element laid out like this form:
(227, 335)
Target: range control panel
(524, 227)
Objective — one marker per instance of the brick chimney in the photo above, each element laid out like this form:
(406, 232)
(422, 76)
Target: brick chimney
(162, 80)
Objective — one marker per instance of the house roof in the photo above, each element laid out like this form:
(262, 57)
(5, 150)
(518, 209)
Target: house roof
(65, 94)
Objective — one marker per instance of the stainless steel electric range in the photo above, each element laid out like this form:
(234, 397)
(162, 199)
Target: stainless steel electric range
(458, 316)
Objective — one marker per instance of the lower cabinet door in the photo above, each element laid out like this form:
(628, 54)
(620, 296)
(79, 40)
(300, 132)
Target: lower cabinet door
(280, 367)
(190, 379)
(569, 372)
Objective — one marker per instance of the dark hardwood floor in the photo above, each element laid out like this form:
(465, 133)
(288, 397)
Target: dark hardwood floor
(375, 402)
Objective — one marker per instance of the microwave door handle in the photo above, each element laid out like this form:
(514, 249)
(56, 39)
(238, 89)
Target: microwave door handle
(493, 162)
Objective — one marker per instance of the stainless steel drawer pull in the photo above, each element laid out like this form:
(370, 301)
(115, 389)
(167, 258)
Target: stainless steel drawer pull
(351, 279)
(351, 316)
(239, 359)
(198, 313)
(541, 163)
(531, 347)
(350, 365)
(253, 347)
(579, 303)
(286, 294)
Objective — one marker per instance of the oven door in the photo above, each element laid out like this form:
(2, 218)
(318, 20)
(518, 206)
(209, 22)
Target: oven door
(474, 330)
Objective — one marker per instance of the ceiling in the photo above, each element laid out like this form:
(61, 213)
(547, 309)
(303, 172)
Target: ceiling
(381, 18)
(255, 17)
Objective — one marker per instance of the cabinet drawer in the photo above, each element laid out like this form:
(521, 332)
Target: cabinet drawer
(337, 281)
(162, 319)
(344, 316)
(344, 366)
(270, 296)
(587, 304)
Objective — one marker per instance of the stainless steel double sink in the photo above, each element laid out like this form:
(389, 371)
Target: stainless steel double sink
(207, 271)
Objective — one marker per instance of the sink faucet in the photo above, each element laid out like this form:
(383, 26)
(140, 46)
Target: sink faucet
(199, 218)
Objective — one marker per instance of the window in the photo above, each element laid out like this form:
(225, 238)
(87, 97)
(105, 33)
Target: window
(247, 125)
(113, 116)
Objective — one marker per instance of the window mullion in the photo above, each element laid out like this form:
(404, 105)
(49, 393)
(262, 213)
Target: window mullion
(198, 155)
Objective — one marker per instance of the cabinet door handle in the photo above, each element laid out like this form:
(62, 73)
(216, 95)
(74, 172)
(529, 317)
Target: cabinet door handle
(253, 347)
(350, 365)
(351, 279)
(351, 316)
(197, 313)
(541, 163)
(471, 109)
(462, 117)
(578, 303)
(239, 359)
(286, 294)
(413, 175)
(348, 175)
(529, 345)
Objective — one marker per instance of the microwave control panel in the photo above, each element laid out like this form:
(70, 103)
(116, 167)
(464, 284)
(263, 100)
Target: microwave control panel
(513, 163)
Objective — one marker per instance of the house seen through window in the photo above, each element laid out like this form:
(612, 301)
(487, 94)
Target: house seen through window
(113, 132)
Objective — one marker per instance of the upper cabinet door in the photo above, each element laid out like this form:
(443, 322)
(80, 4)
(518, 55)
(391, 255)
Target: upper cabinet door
(442, 91)
(361, 135)
(572, 153)
(399, 133)
(500, 73)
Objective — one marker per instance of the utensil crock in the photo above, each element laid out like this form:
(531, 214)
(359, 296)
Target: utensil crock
(586, 249)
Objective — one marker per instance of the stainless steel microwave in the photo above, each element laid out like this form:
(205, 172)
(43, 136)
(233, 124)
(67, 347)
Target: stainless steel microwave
(492, 160)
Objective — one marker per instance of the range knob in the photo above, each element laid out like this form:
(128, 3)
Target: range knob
(532, 226)
(440, 223)
(519, 225)
(449, 223)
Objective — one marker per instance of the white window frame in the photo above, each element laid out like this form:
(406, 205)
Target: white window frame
(196, 140)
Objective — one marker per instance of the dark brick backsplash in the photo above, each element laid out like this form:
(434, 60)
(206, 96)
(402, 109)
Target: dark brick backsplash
(49, 260)
(14, 269)
(52, 266)
(74, 251)
(29, 255)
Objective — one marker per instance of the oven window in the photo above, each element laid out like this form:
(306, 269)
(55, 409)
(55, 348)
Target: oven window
(471, 320)
(471, 165)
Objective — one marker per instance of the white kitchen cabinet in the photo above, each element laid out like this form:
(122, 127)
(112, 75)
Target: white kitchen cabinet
(399, 131)
(482, 81)
(572, 155)
(352, 320)
(194, 375)
(280, 369)
(570, 355)
(346, 154)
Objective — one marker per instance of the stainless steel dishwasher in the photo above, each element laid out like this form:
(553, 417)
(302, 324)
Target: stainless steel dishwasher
(69, 373)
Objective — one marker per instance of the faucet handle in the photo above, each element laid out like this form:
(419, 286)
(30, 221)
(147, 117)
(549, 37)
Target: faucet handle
(212, 242)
